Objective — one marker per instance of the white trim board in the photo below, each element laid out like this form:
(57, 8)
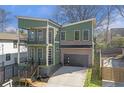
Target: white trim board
(79, 22)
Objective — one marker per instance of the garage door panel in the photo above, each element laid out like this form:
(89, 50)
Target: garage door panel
(76, 60)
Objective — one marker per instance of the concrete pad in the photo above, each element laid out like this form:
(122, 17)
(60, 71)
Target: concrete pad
(68, 76)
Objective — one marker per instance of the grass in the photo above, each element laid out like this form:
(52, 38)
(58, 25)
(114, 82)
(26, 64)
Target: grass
(92, 80)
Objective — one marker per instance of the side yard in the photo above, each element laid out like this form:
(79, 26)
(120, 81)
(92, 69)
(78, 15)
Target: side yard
(93, 78)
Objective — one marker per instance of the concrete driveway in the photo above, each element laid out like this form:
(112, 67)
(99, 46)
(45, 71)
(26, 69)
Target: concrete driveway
(68, 76)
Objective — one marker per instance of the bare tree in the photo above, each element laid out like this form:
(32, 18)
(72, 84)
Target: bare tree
(120, 10)
(4, 19)
(74, 13)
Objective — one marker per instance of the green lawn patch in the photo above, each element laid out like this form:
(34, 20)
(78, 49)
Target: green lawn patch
(92, 78)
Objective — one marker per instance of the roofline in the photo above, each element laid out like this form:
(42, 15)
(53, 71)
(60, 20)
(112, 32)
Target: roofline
(38, 19)
(79, 22)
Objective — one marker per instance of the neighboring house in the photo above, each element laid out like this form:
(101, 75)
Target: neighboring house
(8, 54)
(114, 34)
(43, 43)
(77, 43)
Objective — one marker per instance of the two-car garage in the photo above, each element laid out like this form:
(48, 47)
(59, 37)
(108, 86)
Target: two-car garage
(76, 56)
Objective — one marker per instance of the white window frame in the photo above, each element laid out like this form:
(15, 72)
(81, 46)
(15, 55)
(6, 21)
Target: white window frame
(42, 52)
(79, 35)
(65, 34)
(88, 34)
(38, 35)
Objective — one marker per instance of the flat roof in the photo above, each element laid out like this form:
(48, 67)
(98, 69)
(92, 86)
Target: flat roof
(11, 36)
(38, 19)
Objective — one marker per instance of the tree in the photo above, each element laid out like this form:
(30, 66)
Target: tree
(120, 10)
(4, 19)
(73, 13)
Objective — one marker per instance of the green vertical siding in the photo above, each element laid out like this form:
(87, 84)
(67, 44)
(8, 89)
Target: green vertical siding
(81, 26)
(26, 23)
(57, 53)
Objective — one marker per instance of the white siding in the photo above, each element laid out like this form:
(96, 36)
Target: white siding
(8, 49)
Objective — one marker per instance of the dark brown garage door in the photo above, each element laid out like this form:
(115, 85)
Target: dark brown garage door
(76, 60)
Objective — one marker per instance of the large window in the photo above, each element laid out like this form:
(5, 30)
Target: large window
(40, 53)
(8, 57)
(31, 35)
(62, 35)
(40, 35)
(77, 37)
(31, 53)
(86, 34)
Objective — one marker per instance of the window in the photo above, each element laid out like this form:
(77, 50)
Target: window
(31, 35)
(40, 53)
(50, 37)
(86, 36)
(77, 35)
(40, 35)
(62, 35)
(50, 56)
(14, 44)
(31, 53)
(8, 57)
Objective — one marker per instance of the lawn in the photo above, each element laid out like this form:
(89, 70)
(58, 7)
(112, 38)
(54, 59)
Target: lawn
(92, 80)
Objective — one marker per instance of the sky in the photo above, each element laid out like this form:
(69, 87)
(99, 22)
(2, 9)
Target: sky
(41, 11)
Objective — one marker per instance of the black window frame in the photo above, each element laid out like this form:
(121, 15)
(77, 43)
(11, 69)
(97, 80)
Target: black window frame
(8, 57)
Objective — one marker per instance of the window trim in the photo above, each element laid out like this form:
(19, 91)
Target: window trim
(42, 52)
(88, 34)
(65, 35)
(79, 35)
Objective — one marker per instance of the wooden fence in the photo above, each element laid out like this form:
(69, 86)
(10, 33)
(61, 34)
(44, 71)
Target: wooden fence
(113, 74)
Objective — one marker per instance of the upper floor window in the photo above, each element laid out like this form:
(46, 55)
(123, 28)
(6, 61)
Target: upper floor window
(31, 35)
(86, 34)
(40, 35)
(62, 35)
(77, 35)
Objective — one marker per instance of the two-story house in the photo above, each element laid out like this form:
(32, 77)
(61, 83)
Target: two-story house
(44, 43)
(8, 54)
(77, 47)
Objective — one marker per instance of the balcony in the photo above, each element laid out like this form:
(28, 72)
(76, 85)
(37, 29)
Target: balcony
(36, 42)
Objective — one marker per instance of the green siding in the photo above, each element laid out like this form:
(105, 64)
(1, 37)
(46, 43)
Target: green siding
(26, 23)
(57, 53)
(81, 26)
